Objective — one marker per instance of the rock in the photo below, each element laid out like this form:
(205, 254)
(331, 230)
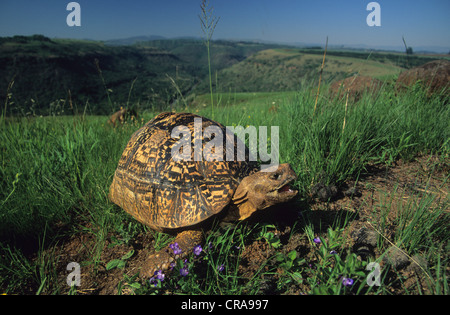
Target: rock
(396, 258)
(418, 264)
(365, 243)
(434, 75)
(355, 86)
(352, 192)
(366, 237)
(324, 193)
(121, 116)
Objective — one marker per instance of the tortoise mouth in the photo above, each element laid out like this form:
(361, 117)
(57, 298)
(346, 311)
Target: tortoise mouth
(286, 188)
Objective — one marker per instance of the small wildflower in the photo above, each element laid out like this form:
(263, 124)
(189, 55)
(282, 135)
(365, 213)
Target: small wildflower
(153, 282)
(176, 248)
(333, 252)
(184, 271)
(197, 250)
(317, 240)
(221, 268)
(159, 275)
(348, 282)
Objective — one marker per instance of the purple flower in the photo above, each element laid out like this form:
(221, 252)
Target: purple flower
(317, 240)
(153, 282)
(197, 250)
(176, 248)
(184, 271)
(159, 275)
(221, 268)
(348, 282)
(333, 252)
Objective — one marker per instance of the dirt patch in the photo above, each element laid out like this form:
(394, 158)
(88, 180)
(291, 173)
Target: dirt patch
(254, 257)
(396, 185)
(93, 258)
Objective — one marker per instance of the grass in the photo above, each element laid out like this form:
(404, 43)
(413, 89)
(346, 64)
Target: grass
(55, 174)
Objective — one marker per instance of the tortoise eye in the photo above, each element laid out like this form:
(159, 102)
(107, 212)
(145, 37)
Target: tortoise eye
(275, 176)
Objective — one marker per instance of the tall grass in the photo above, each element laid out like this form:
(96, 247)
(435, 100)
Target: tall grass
(51, 168)
(378, 129)
(53, 171)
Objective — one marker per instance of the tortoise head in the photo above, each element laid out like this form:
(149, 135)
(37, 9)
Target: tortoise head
(264, 189)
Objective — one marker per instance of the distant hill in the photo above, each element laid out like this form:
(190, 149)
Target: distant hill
(44, 70)
(224, 54)
(132, 40)
(286, 69)
(42, 76)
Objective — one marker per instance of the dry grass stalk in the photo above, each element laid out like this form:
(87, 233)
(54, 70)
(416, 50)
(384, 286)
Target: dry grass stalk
(320, 77)
(345, 113)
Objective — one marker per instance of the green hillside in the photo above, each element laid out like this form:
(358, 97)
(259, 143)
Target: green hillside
(42, 76)
(223, 53)
(99, 77)
(147, 75)
(286, 69)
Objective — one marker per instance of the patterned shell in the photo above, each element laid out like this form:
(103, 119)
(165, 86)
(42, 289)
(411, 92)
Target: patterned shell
(164, 192)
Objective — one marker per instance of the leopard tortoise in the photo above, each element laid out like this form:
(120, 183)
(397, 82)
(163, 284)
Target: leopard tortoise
(178, 196)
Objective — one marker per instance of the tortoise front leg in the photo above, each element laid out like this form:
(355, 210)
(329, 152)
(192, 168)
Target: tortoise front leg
(161, 260)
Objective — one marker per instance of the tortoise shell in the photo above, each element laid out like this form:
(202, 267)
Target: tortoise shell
(166, 193)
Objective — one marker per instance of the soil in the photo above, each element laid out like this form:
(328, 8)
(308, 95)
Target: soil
(434, 75)
(360, 198)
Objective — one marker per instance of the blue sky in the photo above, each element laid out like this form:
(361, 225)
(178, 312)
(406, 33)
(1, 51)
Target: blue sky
(423, 23)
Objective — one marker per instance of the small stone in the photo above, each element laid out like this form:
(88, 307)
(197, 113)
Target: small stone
(396, 258)
(365, 243)
(324, 193)
(418, 264)
(367, 237)
(352, 192)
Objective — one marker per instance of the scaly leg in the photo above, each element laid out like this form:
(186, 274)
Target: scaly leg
(161, 260)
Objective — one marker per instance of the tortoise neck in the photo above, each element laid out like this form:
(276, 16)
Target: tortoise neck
(239, 212)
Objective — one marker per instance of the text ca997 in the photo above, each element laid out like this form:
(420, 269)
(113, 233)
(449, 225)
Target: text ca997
(246, 304)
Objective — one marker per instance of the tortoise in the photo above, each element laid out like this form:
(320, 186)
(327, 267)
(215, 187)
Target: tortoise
(179, 196)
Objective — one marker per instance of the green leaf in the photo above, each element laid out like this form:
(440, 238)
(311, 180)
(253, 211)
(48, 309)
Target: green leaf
(113, 264)
(292, 255)
(128, 255)
(297, 276)
(135, 285)
(279, 257)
